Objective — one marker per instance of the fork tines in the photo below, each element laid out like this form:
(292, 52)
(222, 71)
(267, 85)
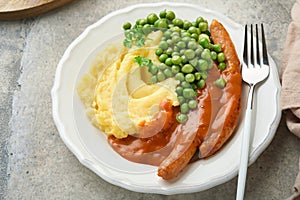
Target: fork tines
(259, 47)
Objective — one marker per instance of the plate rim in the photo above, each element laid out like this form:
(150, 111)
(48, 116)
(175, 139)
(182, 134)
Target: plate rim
(83, 158)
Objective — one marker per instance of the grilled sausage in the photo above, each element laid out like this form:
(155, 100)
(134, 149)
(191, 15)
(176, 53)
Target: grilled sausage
(209, 126)
(188, 138)
(226, 119)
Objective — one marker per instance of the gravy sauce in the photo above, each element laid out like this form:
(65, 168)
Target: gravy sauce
(154, 148)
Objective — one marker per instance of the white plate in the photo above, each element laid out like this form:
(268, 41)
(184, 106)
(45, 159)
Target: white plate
(90, 146)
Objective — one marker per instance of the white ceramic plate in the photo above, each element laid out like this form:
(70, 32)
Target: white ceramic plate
(90, 146)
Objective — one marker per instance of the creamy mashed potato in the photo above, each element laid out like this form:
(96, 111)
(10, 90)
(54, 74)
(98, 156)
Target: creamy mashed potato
(116, 92)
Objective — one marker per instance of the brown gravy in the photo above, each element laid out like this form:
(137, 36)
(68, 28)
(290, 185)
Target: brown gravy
(154, 149)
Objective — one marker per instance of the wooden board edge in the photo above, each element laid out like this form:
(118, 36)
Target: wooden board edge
(33, 11)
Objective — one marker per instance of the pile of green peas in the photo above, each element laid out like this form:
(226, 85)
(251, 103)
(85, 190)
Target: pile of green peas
(185, 52)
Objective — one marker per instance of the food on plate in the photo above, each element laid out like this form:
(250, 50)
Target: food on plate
(227, 116)
(123, 100)
(168, 93)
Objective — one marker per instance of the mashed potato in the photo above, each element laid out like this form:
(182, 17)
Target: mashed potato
(115, 91)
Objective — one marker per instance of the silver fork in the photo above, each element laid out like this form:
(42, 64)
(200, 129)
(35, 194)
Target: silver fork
(255, 69)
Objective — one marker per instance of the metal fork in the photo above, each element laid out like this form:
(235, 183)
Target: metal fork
(255, 69)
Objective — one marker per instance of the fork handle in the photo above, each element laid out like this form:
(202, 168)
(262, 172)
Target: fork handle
(242, 177)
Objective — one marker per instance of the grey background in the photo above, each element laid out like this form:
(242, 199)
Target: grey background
(35, 163)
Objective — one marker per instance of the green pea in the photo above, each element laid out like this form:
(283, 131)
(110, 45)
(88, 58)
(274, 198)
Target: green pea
(182, 52)
(185, 84)
(197, 76)
(190, 78)
(181, 118)
(204, 35)
(184, 108)
(168, 73)
(170, 15)
(199, 50)
(220, 83)
(162, 66)
(210, 46)
(141, 22)
(192, 30)
(179, 77)
(195, 36)
(179, 90)
(185, 34)
(167, 33)
(187, 68)
(160, 76)
(170, 42)
(175, 29)
(181, 45)
(181, 99)
(176, 49)
(217, 48)
(158, 51)
(163, 13)
(153, 79)
(183, 59)
(204, 42)
(222, 66)
(175, 53)
(202, 65)
(213, 55)
(163, 45)
(162, 57)
(194, 62)
(221, 57)
(151, 18)
(153, 69)
(201, 83)
(199, 19)
(187, 24)
(169, 51)
(210, 63)
(192, 45)
(170, 26)
(162, 23)
(178, 22)
(147, 28)
(188, 93)
(186, 39)
(126, 25)
(175, 69)
(192, 104)
(189, 54)
(156, 23)
(204, 74)
(194, 86)
(205, 54)
(203, 26)
(175, 33)
(176, 60)
(169, 62)
(175, 38)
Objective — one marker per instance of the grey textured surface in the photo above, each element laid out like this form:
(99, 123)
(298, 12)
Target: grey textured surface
(35, 163)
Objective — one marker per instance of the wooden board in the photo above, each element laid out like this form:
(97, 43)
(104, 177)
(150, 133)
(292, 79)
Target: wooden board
(20, 9)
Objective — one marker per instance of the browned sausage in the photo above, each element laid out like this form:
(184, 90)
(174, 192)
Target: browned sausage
(226, 118)
(210, 125)
(188, 138)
